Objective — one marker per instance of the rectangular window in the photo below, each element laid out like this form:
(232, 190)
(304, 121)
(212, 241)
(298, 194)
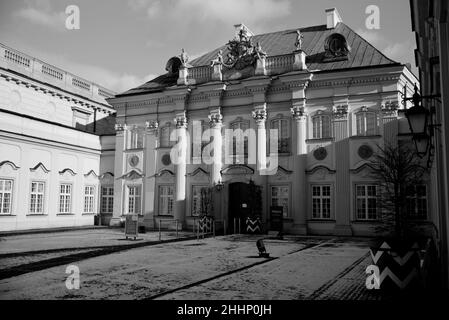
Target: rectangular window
(366, 123)
(165, 137)
(37, 197)
(197, 198)
(366, 202)
(237, 142)
(280, 197)
(134, 199)
(282, 125)
(321, 202)
(416, 202)
(89, 199)
(135, 139)
(107, 199)
(5, 196)
(166, 200)
(65, 198)
(321, 127)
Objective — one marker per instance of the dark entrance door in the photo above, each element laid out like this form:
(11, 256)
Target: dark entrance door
(239, 205)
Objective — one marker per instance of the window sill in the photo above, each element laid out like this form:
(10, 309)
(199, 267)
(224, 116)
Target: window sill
(37, 215)
(321, 140)
(134, 150)
(65, 214)
(89, 214)
(322, 220)
(366, 221)
(373, 136)
(7, 215)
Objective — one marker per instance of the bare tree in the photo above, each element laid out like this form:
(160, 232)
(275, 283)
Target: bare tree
(398, 169)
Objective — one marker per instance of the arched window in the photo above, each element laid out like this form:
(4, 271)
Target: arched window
(284, 139)
(366, 123)
(321, 126)
(236, 143)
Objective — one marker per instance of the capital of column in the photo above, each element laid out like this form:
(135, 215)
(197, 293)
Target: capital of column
(215, 120)
(152, 126)
(298, 113)
(260, 115)
(390, 109)
(119, 127)
(181, 121)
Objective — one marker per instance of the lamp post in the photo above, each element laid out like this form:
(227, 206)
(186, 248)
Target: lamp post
(418, 120)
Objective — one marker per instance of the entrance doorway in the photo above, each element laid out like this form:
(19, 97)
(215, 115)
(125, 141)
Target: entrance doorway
(239, 205)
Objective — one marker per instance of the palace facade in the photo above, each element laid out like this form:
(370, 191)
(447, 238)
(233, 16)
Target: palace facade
(331, 95)
(56, 157)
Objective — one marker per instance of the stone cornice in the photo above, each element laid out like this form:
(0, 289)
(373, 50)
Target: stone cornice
(56, 92)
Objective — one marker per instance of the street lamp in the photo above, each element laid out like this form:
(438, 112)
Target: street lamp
(418, 118)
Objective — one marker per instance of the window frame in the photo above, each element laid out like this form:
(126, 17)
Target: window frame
(192, 207)
(107, 197)
(366, 197)
(280, 119)
(364, 113)
(415, 198)
(92, 196)
(286, 215)
(234, 148)
(135, 139)
(134, 196)
(11, 196)
(170, 127)
(160, 202)
(321, 115)
(321, 197)
(37, 193)
(70, 195)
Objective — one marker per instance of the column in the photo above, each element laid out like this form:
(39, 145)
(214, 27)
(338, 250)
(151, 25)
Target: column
(342, 177)
(216, 122)
(118, 172)
(180, 167)
(299, 192)
(260, 115)
(150, 156)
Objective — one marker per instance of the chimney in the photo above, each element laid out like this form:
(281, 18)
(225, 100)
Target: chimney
(333, 18)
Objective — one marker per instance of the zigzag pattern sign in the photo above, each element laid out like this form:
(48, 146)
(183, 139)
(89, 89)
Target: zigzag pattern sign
(392, 270)
(253, 225)
(205, 224)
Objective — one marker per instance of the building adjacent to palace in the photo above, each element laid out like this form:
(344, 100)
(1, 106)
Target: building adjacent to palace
(332, 96)
(56, 158)
(431, 25)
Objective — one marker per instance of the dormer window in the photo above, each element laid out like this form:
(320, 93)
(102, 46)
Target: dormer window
(336, 47)
(80, 118)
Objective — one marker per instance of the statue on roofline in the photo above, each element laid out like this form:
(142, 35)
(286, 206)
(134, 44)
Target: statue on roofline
(218, 60)
(299, 38)
(184, 58)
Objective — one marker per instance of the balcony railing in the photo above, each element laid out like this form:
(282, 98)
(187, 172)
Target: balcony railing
(34, 68)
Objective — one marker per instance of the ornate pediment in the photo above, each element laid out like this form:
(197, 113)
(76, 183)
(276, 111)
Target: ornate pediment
(165, 172)
(199, 171)
(67, 170)
(238, 169)
(106, 175)
(91, 173)
(320, 168)
(132, 175)
(363, 167)
(41, 166)
(10, 163)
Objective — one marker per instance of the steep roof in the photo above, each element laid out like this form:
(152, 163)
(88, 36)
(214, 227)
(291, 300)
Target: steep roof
(362, 53)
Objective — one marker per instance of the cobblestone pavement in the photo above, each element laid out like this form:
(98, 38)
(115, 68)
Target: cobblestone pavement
(226, 267)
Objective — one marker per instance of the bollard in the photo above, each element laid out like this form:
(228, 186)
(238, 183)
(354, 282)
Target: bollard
(159, 230)
(214, 229)
(235, 225)
(176, 229)
(239, 227)
(224, 227)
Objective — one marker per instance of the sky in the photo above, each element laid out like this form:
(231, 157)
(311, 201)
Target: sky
(123, 43)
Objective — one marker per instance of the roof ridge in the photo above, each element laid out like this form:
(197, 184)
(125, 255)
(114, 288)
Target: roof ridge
(374, 47)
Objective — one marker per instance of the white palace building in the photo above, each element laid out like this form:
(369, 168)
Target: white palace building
(331, 95)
